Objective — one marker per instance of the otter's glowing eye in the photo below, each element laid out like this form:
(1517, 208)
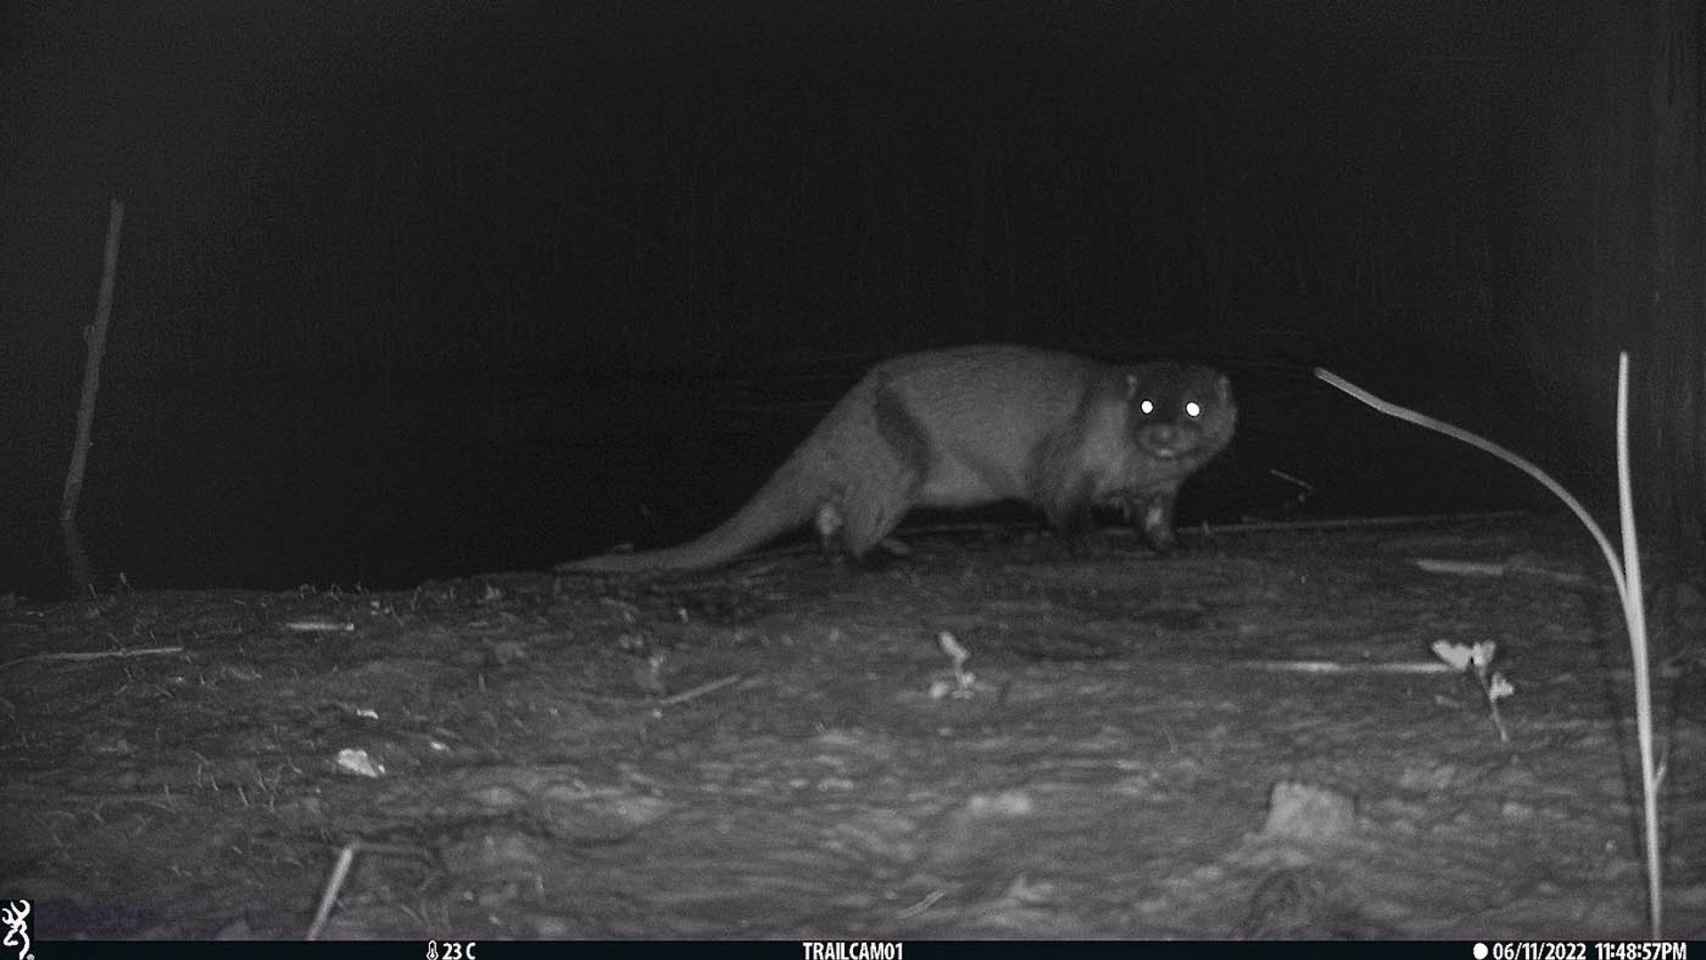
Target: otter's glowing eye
(1147, 406)
(1193, 409)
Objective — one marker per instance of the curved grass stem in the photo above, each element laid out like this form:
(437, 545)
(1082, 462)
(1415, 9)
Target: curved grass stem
(1626, 574)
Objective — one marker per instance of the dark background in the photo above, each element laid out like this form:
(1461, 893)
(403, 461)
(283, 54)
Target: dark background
(431, 289)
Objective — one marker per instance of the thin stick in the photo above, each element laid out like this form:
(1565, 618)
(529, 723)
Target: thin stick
(700, 690)
(83, 657)
(334, 883)
(340, 873)
(96, 337)
(1635, 616)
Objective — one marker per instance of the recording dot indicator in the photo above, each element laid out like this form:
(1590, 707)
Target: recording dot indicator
(1479, 951)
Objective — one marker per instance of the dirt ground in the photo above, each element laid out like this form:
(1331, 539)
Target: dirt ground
(1238, 739)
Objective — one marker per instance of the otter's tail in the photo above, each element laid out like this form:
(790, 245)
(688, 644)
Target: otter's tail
(787, 500)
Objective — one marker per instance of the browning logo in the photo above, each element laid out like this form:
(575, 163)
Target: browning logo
(15, 917)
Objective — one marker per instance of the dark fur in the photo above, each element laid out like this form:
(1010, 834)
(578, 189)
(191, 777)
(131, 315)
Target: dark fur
(972, 426)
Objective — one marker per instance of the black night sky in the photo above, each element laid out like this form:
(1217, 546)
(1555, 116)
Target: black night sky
(423, 290)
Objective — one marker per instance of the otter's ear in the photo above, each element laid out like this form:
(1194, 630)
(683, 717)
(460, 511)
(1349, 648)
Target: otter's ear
(1224, 389)
(1130, 385)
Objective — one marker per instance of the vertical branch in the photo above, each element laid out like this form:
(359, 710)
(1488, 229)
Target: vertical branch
(1635, 615)
(96, 338)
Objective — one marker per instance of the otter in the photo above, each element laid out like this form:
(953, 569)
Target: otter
(976, 425)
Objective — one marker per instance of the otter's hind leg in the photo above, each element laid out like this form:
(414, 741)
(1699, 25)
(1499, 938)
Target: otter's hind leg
(887, 478)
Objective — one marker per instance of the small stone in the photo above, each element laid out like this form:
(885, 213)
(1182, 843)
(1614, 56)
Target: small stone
(1302, 812)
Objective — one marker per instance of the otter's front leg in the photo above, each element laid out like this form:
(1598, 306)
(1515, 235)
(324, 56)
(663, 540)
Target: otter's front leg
(1152, 515)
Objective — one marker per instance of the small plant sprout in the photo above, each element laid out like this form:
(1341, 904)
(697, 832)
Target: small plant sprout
(1479, 657)
(1625, 572)
(961, 686)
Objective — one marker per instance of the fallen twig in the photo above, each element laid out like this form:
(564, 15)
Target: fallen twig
(701, 690)
(82, 656)
(1334, 666)
(340, 873)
